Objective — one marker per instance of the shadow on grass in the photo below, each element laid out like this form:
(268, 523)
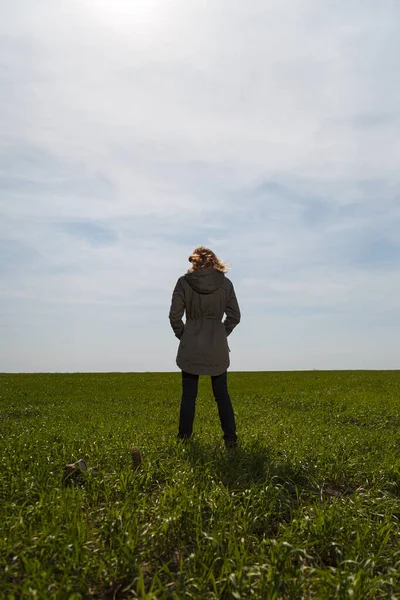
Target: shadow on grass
(253, 463)
(256, 464)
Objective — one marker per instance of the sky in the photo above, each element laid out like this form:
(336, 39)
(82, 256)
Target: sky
(132, 132)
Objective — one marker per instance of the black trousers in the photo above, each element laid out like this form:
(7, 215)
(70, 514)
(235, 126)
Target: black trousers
(190, 384)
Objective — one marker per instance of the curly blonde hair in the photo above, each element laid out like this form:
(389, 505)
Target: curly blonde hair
(204, 258)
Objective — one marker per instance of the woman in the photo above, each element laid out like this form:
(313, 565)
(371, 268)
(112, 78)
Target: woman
(205, 294)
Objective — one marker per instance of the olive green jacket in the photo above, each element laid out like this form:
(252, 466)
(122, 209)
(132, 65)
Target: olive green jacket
(205, 296)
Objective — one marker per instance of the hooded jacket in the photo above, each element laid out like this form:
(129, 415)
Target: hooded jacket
(205, 296)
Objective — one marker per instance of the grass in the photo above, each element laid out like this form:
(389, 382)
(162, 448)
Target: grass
(308, 507)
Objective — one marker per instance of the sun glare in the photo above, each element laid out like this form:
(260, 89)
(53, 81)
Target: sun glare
(123, 14)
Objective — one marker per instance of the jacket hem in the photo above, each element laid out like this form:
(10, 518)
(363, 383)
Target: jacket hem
(198, 370)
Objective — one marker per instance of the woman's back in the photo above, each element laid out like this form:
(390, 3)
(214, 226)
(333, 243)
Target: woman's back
(205, 295)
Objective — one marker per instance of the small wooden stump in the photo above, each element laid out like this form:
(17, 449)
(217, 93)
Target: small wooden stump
(136, 457)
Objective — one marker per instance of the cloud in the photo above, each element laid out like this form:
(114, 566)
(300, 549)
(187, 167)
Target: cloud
(91, 232)
(132, 132)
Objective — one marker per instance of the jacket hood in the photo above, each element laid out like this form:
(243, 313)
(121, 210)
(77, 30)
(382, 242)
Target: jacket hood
(205, 281)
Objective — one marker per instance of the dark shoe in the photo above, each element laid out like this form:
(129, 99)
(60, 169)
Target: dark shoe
(231, 445)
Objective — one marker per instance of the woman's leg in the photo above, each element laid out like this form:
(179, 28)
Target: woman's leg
(190, 384)
(225, 410)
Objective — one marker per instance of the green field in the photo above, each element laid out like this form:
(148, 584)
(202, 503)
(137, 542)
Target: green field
(308, 507)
